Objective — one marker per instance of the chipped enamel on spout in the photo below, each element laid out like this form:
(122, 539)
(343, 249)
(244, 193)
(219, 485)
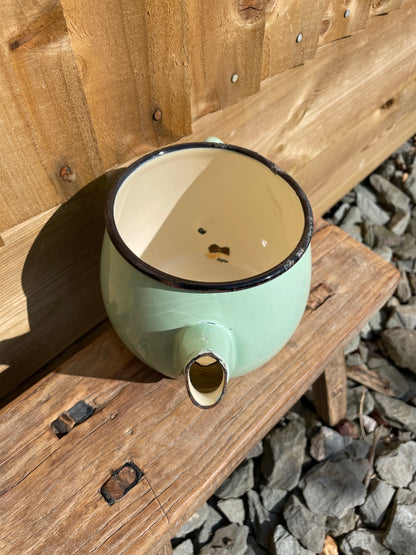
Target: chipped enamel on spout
(206, 263)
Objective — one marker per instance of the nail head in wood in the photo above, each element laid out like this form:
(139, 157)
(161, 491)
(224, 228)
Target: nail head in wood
(66, 173)
(157, 114)
(347, 13)
(299, 37)
(234, 78)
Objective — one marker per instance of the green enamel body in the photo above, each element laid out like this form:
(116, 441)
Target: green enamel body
(167, 326)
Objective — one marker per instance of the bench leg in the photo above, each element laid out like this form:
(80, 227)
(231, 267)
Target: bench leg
(330, 390)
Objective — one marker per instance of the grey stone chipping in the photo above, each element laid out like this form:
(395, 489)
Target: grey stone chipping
(401, 533)
(233, 509)
(195, 522)
(398, 467)
(361, 540)
(283, 454)
(230, 540)
(307, 526)
(396, 412)
(239, 481)
(184, 548)
(327, 442)
(374, 509)
(400, 346)
(284, 543)
(334, 487)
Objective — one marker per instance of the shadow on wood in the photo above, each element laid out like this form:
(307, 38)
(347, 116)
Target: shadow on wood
(63, 263)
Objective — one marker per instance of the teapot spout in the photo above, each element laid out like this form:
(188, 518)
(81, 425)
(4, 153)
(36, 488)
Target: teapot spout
(205, 354)
(206, 380)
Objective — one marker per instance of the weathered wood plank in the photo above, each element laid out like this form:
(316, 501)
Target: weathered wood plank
(132, 63)
(330, 390)
(291, 35)
(375, 138)
(183, 452)
(48, 146)
(342, 19)
(370, 379)
(225, 44)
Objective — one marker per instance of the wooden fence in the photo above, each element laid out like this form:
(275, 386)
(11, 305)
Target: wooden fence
(325, 88)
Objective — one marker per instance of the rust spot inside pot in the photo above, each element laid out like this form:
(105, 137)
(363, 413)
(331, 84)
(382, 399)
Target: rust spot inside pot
(217, 249)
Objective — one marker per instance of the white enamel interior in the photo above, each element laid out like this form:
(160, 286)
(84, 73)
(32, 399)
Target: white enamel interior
(239, 202)
(206, 381)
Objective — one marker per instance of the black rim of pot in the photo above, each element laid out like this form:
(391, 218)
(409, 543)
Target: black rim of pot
(182, 283)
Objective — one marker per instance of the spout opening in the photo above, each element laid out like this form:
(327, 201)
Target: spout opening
(206, 380)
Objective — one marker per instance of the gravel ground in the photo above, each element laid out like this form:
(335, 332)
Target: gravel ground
(308, 488)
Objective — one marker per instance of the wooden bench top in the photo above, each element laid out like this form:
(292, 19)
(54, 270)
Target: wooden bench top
(110, 409)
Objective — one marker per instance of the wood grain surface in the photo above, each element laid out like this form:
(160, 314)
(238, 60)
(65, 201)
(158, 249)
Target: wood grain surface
(328, 122)
(330, 390)
(292, 33)
(342, 19)
(131, 64)
(50, 497)
(226, 46)
(44, 118)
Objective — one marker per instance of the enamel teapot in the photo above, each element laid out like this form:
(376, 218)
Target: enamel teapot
(206, 262)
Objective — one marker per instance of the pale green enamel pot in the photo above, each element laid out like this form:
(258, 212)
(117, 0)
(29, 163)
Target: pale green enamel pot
(206, 262)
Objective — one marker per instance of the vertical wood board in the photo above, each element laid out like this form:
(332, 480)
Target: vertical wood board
(133, 61)
(291, 35)
(225, 40)
(48, 147)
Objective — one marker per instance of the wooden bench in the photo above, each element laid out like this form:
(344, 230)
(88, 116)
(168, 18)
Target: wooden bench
(105, 455)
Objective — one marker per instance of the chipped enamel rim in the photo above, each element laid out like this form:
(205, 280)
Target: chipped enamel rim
(218, 287)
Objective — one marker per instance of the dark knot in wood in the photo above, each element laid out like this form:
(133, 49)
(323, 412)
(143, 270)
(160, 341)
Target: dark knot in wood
(388, 104)
(251, 10)
(377, 4)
